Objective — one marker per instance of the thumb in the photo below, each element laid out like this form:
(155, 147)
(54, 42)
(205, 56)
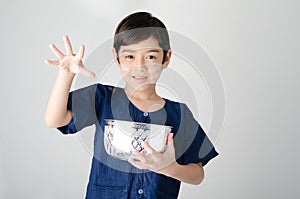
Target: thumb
(87, 72)
(170, 138)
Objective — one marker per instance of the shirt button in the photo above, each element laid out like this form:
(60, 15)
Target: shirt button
(140, 191)
(145, 114)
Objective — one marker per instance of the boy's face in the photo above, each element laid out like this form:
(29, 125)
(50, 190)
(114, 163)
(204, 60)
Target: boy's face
(141, 63)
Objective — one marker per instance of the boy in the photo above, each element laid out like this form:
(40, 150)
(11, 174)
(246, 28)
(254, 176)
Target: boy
(141, 49)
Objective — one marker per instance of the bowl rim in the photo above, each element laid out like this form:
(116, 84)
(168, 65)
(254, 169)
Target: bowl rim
(112, 120)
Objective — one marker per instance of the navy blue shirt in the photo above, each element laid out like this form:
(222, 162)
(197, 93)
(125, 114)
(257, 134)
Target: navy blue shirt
(111, 178)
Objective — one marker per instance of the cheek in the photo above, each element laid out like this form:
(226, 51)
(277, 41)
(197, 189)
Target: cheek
(156, 69)
(124, 69)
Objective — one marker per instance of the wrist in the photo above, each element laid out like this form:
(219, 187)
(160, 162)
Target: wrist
(170, 170)
(66, 74)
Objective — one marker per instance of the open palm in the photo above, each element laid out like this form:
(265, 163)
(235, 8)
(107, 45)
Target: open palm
(69, 62)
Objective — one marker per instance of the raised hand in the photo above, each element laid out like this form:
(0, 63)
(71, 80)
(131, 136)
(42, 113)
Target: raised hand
(155, 161)
(69, 62)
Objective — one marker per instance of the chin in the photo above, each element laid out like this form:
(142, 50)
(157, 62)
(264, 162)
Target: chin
(143, 87)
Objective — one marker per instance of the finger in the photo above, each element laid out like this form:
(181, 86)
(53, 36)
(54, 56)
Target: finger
(138, 159)
(139, 156)
(134, 162)
(68, 45)
(136, 152)
(51, 62)
(148, 148)
(137, 163)
(87, 72)
(57, 52)
(80, 53)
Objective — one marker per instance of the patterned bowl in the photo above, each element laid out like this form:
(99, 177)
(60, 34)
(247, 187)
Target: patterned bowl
(121, 138)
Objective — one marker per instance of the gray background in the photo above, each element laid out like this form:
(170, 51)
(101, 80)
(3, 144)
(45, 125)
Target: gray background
(254, 44)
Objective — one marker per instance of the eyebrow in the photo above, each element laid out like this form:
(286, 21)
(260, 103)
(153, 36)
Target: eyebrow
(148, 51)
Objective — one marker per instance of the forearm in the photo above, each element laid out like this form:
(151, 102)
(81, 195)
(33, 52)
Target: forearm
(191, 173)
(56, 113)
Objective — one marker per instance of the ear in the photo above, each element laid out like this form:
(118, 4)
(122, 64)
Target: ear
(167, 59)
(116, 57)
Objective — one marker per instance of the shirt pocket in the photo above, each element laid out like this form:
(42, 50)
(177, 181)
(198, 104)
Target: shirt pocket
(109, 192)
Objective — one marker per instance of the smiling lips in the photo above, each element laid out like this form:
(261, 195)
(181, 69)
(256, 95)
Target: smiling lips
(139, 78)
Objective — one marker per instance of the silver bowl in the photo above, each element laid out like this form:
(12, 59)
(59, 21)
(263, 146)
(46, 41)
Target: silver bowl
(121, 138)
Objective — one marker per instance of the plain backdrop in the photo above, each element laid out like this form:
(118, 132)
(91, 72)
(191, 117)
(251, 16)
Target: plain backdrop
(254, 45)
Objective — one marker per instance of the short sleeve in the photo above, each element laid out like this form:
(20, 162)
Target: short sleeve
(81, 103)
(198, 146)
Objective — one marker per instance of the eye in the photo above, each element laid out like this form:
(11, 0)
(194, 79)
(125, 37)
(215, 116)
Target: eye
(151, 57)
(128, 57)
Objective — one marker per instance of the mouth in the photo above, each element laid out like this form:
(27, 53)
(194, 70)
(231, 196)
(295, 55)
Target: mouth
(139, 78)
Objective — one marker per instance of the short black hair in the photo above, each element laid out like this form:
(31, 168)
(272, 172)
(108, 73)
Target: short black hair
(140, 26)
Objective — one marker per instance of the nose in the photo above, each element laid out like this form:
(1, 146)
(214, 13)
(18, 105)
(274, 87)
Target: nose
(140, 64)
